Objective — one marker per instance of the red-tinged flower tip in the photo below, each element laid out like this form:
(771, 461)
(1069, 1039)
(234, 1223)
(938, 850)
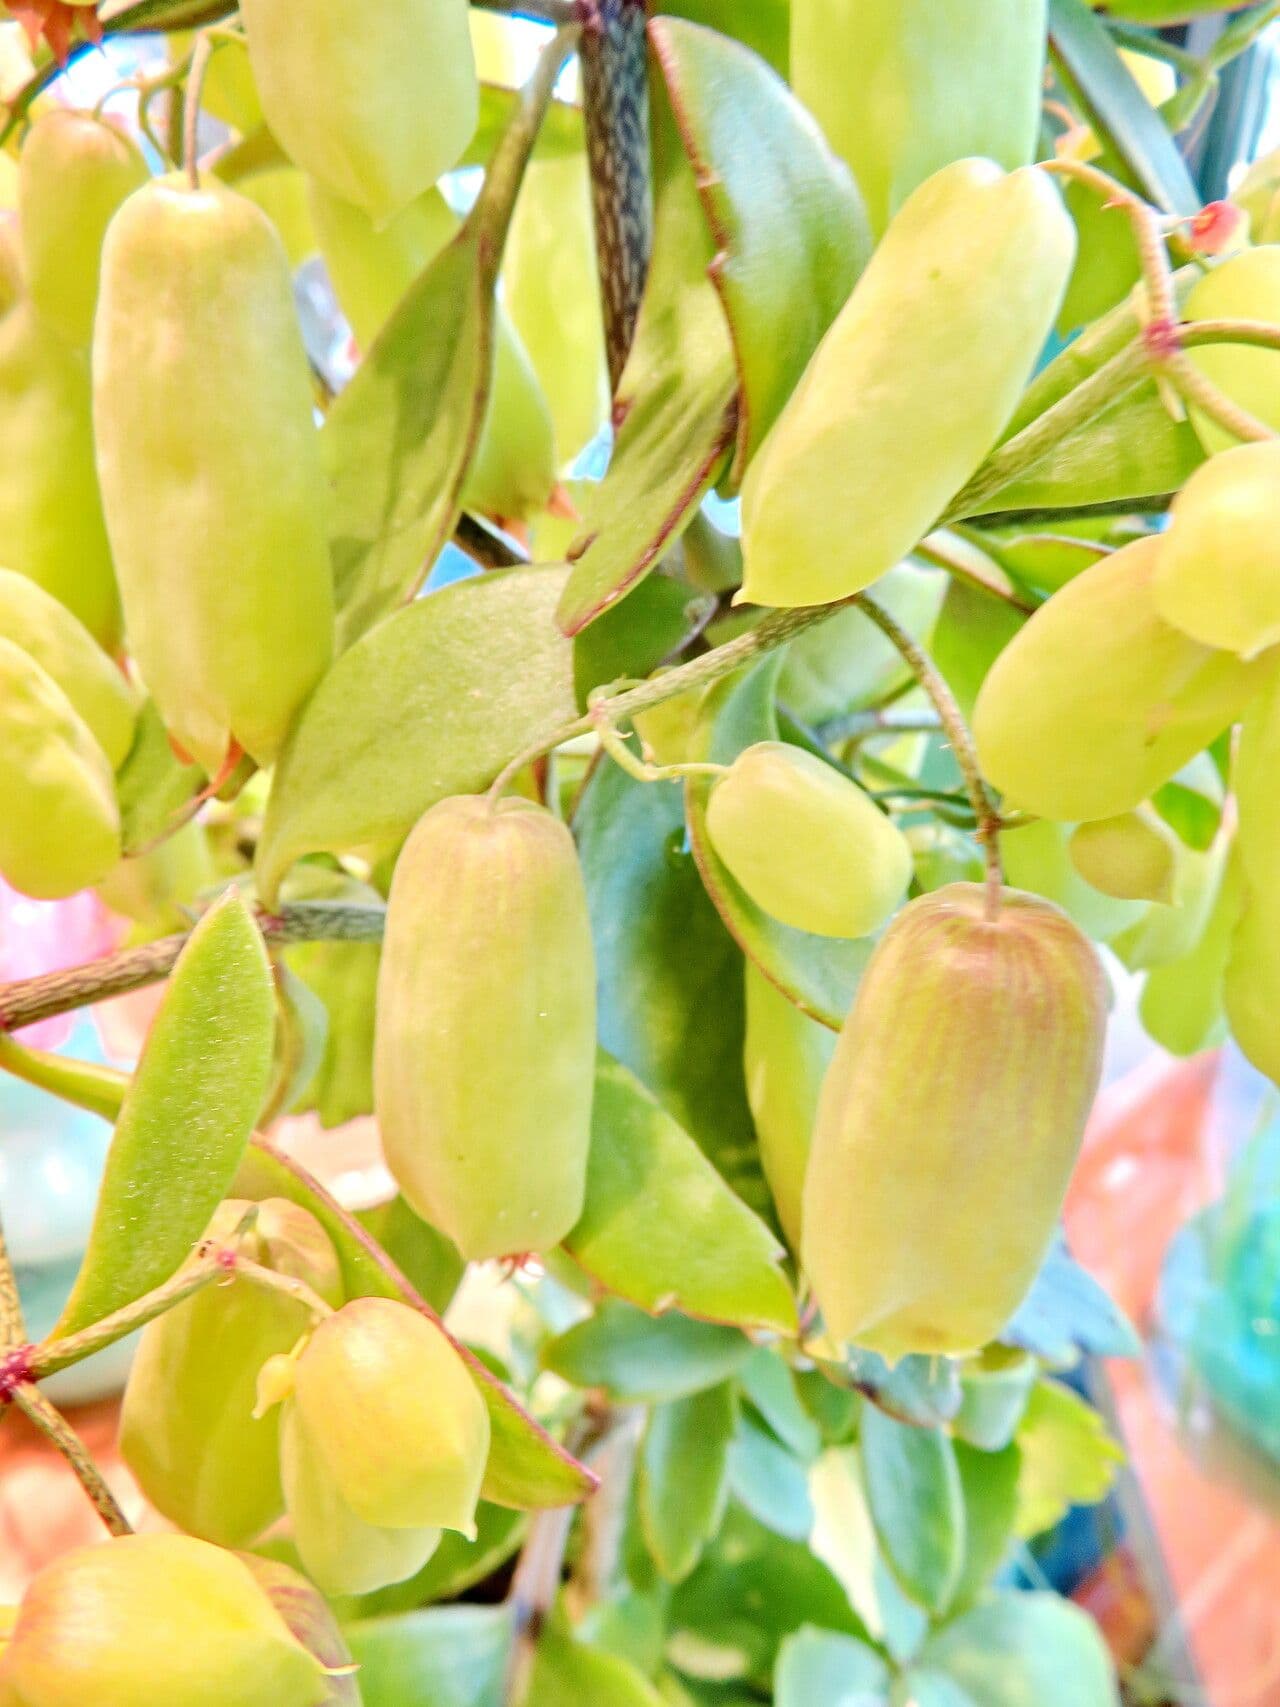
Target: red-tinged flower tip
(58, 22)
(310, 1618)
(1215, 228)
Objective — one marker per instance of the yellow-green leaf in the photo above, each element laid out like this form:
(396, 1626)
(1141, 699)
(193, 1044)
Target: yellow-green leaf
(186, 1118)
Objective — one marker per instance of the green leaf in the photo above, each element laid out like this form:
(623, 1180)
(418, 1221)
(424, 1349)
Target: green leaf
(631, 1624)
(819, 1666)
(186, 1118)
(990, 1484)
(660, 1226)
(769, 1481)
(401, 437)
(448, 1656)
(1068, 1458)
(751, 1591)
(768, 1383)
(916, 1503)
(930, 1689)
(683, 1477)
(1133, 449)
(996, 1387)
(844, 1538)
(835, 1410)
(527, 1469)
(1161, 12)
(561, 132)
(819, 974)
(675, 401)
(1119, 112)
(302, 1035)
(791, 232)
(764, 26)
(1022, 1648)
(1045, 560)
(84, 1084)
(1067, 1313)
(1192, 803)
(154, 788)
(631, 639)
(664, 964)
(921, 1390)
(421, 1253)
(432, 702)
(570, 1674)
(637, 1357)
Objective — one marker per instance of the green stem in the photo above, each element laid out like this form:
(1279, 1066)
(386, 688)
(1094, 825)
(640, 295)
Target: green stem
(933, 682)
(1147, 230)
(293, 1288)
(1212, 401)
(191, 107)
(614, 743)
(1256, 332)
(56, 1429)
(58, 1354)
(772, 631)
(859, 725)
(100, 1090)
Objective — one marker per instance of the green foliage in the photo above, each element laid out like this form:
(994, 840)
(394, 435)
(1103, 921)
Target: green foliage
(722, 1470)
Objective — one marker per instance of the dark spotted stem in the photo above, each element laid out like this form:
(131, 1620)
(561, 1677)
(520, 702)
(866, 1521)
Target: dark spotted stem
(615, 99)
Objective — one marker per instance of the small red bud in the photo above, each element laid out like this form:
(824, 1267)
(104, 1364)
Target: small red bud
(1215, 227)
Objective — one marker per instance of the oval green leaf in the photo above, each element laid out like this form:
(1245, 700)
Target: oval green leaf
(917, 1506)
(432, 702)
(675, 402)
(186, 1118)
(789, 225)
(683, 1477)
(664, 962)
(448, 1656)
(401, 437)
(661, 1228)
(1018, 1648)
(567, 1673)
(638, 1357)
(824, 1666)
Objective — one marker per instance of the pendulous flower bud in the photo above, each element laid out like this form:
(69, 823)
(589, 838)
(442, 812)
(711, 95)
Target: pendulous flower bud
(341, 87)
(75, 171)
(311, 1619)
(60, 825)
(950, 1121)
(210, 464)
(187, 1429)
(806, 843)
(155, 1621)
(384, 1443)
(1132, 857)
(49, 632)
(484, 1064)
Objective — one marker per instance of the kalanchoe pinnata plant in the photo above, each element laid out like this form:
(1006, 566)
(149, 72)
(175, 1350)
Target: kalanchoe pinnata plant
(699, 905)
